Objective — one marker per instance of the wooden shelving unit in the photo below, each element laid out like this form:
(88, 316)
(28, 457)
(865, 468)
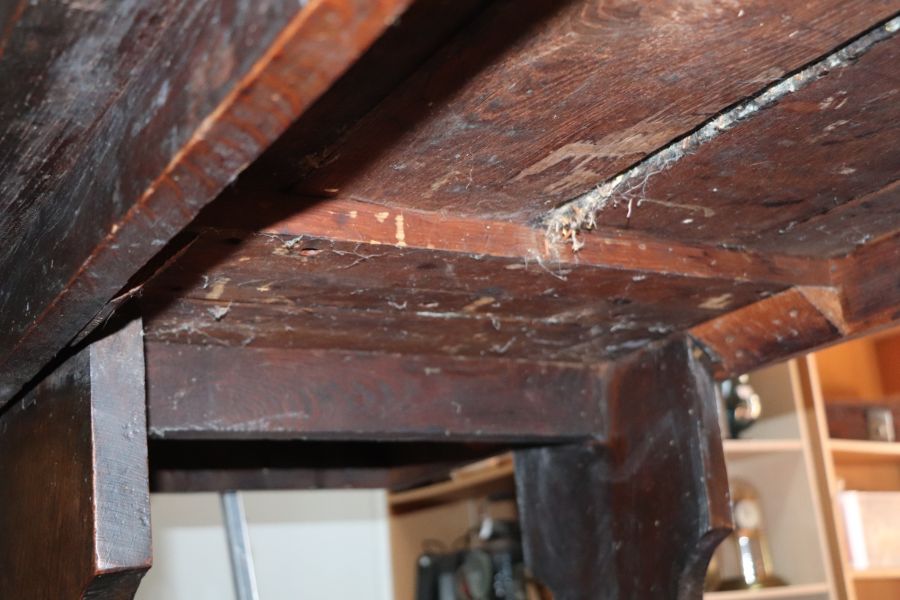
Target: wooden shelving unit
(866, 369)
(802, 592)
(775, 456)
(496, 475)
(435, 516)
(879, 574)
(864, 451)
(739, 448)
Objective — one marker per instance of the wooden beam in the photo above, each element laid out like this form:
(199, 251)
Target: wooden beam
(341, 219)
(654, 502)
(237, 288)
(201, 392)
(870, 282)
(136, 119)
(865, 297)
(764, 332)
(74, 503)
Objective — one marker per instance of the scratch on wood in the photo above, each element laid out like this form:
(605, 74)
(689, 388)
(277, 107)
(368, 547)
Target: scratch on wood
(717, 302)
(476, 304)
(401, 230)
(218, 288)
(564, 222)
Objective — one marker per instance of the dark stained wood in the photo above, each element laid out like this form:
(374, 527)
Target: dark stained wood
(384, 272)
(871, 283)
(271, 290)
(433, 334)
(563, 141)
(865, 297)
(360, 222)
(308, 274)
(815, 174)
(641, 518)
(204, 392)
(202, 466)
(134, 118)
(535, 103)
(773, 329)
(74, 503)
(422, 30)
(281, 291)
(842, 229)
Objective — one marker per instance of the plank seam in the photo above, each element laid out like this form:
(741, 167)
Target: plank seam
(580, 214)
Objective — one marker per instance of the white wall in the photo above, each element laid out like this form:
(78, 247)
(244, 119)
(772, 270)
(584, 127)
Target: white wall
(315, 545)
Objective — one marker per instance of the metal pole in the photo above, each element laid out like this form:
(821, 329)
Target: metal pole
(239, 547)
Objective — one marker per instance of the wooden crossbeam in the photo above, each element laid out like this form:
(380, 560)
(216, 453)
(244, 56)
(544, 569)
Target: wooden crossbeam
(223, 392)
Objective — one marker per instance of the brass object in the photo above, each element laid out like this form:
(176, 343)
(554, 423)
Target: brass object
(713, 574)
(750, 540)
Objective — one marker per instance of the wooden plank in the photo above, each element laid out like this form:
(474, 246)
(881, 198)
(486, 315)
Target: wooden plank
(829, 162)
(845, 451)
(842, 229)
(200, 88)
(423, 29)
(654, 503)
(395, 331)
(340, 219)
(865, 297)
(871, 286)
(74, 504)
(773, 329)
(269, 290)
(201, 392)
(177, 480)
(536, 103)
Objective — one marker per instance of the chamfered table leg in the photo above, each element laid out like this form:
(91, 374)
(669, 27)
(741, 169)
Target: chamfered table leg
(74, 499)
(637, 518)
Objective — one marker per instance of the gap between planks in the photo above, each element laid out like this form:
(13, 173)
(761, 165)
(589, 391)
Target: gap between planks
(580, 214)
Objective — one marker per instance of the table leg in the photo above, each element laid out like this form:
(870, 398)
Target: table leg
(74, 500)
(639, 517)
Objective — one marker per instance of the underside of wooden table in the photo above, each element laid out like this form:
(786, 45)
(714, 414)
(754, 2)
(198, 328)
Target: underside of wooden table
(350, 243)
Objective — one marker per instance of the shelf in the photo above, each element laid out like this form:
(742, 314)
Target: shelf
(787, 591)
(745, 447)
(469, 485)
(873, 574)
(864, 451)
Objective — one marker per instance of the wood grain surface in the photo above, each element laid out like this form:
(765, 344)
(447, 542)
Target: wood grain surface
(536, 103)
(75, 504)
(281, 291)
(197, 392)
(816, 174)
(134, 117)
(641, 517)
